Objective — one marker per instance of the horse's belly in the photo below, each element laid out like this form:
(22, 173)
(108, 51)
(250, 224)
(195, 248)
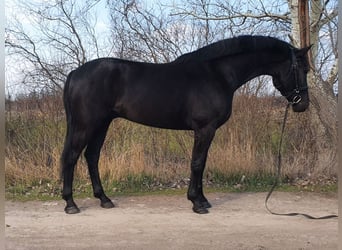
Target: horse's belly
(166, 121)
(155, 116)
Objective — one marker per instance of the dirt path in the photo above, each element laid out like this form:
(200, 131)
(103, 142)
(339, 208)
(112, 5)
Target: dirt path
(236, 221)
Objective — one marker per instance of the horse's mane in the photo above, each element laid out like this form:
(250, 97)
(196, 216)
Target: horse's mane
(234, 46)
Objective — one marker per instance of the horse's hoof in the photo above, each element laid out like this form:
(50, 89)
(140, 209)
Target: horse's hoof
(107, 204)
(72, 210)
(200, 210)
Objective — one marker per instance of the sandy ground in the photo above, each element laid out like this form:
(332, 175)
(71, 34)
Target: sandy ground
(236, 221)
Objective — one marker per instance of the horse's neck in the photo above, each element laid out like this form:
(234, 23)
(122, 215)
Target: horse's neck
(243, 68)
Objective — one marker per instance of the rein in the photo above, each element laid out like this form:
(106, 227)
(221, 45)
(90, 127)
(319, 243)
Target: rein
(275, 184)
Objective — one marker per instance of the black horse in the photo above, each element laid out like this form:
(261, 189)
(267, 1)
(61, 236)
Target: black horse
(194, 92)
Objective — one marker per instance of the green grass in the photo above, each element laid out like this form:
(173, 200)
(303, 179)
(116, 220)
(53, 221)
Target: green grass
(147, 185)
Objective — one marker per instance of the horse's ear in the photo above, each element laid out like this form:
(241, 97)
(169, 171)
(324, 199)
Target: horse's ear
(302, 52)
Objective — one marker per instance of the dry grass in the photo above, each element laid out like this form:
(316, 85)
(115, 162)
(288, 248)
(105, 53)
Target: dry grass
(246, 145)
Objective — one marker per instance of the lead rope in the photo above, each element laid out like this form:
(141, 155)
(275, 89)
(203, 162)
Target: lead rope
(275, 184)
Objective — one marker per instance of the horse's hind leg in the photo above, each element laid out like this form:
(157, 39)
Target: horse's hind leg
(92, 155)
(74, 144)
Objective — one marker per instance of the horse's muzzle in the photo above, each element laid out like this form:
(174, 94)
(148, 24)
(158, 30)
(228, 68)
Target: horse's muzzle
(303, 104)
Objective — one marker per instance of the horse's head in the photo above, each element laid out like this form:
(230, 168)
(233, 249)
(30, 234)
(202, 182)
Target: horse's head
(290, 79)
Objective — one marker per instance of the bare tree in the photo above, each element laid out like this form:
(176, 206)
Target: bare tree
(315, 22)
(155, 33)
(277, 18)
(59, 37)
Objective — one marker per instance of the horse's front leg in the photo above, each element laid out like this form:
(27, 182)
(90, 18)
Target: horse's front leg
(203, 138)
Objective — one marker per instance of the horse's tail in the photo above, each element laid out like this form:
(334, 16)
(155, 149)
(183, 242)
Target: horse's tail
(67, 142)
(66, 96)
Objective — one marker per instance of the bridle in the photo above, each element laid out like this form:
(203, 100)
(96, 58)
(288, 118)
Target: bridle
(295, 93)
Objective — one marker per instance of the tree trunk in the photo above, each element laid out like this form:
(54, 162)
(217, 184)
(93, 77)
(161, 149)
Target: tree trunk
(322, 113)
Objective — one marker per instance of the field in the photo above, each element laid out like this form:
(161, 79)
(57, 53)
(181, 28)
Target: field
(138, 158)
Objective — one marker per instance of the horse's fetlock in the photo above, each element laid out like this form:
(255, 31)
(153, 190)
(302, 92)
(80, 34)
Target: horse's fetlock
(99, 193)
(192, 195)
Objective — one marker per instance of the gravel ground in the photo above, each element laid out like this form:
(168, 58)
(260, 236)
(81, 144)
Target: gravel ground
(236, 221)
